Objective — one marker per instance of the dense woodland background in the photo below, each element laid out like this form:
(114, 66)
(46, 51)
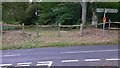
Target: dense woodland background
(66, 13)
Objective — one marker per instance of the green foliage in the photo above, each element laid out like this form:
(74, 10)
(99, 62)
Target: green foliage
(46, 16)
(67, 13)
(14, 12)
(113, 5)
(11, 28)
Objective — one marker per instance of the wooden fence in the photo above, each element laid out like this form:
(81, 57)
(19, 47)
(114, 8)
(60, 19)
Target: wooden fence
(59, 26)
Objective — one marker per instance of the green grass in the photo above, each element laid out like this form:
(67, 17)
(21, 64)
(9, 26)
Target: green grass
(38, 42)
(56, 44)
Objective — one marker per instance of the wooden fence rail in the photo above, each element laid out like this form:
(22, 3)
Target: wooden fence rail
(58, 26)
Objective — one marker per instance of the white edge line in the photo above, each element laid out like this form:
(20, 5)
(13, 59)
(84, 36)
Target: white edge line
(92, 51)
(24, 63)
(5, 64)
(44, 61)
(112, 59)
(41, 64)
(65, 61)
(11, 55)
(92, 59)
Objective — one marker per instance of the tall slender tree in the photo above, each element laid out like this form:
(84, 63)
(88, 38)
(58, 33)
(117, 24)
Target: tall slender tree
(84, 12)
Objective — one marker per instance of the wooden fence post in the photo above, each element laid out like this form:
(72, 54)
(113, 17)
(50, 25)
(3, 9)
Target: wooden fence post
(109, 24)
(81, 30)
(59, 30)
(37, 29)
(23, 32)
(1, 33)
(23, 28)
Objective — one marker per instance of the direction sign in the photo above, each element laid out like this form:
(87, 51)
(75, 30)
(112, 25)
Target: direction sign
(112, 10)
(104, 10)
(101, 10)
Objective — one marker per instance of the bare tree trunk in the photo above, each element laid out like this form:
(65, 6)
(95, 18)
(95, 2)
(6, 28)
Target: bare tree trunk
(84, 12)
(94, 17)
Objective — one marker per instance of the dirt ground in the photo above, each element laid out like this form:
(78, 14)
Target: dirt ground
(90, 36)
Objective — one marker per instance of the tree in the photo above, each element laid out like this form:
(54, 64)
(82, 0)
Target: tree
(11, 12)
(84, 11)
(94, 14)
(67, 13)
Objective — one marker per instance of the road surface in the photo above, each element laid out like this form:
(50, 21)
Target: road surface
(65, 56)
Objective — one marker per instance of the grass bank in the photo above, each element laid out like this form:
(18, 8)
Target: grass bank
(49, 38)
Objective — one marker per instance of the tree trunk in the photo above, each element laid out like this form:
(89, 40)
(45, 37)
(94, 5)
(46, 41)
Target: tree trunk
(94, 17)
(84, 12)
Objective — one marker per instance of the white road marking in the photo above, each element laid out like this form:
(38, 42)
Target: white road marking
(24, 64)
(112, 59)
(5, 65)
(45, 63)
(41, 64)
(11, 55)
(92, 60)
(92, 51)
(65, 61)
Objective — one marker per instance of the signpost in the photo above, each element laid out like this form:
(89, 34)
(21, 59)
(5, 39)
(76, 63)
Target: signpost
(104, 10)
(112, 10)
(37, 26)
(101, 10)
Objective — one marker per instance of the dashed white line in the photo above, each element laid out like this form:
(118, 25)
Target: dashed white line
(24, 64)
(112, 59)
(41, 64)
(11, 55)
(5, 65)
(65, 61)
(92, 60)
(49, 63)
(92, 51)
(45, 63)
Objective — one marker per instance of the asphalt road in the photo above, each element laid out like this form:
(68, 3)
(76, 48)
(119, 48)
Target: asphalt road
(65, 56)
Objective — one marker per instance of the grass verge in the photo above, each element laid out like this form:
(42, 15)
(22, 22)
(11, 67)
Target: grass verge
(56, 44)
